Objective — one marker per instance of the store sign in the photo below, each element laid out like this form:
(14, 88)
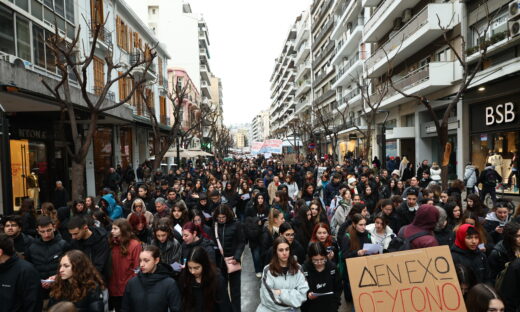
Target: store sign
(32, 134)
(501, 113)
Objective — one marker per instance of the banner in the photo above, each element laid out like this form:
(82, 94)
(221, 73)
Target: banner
(413, 280)
(267, 146)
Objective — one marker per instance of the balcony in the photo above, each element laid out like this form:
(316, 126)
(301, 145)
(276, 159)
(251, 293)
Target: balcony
(303, 69)
(326, 51)
(416, 34)
(204, 72)
(323, 76)
(325, 30)
(302, 88)
(348, 12)
(204, 54)
(303, 33)
(350, 43)
(369, 3)
(349, 71)
(422, 81)
(110, 96)
(104, 40)
(325, 96)
(301, 106)
(205, 89)
(352, 98)
(322, 12)
(137, 57)
(304, 50)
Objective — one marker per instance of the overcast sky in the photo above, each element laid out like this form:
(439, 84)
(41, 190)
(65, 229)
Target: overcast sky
(246, 36)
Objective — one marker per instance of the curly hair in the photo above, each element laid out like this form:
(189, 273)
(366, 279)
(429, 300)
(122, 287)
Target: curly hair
(84, 278)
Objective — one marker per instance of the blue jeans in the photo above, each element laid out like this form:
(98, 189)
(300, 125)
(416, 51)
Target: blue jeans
(256, 252)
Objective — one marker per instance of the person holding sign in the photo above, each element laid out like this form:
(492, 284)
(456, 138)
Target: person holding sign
(323, 279)
(283, 286)
(466, 252)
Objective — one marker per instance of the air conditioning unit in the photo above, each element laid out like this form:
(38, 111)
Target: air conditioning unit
(514, 9)
(514, 28)
(13, 59)
(407, 15)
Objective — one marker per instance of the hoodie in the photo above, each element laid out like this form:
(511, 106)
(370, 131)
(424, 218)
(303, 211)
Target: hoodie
(475, 260)
(424, 221)
(147, 214)
(114, 211)
(155, 291)
(96, 248)
(491, 224)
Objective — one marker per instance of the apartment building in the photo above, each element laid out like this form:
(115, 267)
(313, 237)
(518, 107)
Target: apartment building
(303, 63)
(260, 127)
(323, 72)
(283, 86)
(37, 140)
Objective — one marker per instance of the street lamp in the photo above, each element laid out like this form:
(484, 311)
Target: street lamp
(383, 138)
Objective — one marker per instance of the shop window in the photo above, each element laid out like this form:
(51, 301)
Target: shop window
(103, 159)
(38, 46)
(23, 38)
(126, 147)
(6, 30)
(36, 9)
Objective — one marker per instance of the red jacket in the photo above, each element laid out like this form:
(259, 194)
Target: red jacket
(424, 221)
(123, 267)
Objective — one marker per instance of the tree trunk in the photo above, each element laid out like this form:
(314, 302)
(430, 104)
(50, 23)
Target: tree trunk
(443, 140)
(78, 180)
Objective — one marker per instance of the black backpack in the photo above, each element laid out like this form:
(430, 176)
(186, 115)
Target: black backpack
(399, 243)
(490, 178)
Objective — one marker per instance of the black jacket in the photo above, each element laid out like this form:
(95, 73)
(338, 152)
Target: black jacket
(93, 302)
(476, 261)
(231, 236)
(45, 256)
(223, 303)
(204, 243)
(156, 292)
(252, 229)
(497, 260)
(96, 248)
(363, 238)
(170, 250)
(22, 243)
(20, 289)
(404, 215)
(328, 280)
(511, 287)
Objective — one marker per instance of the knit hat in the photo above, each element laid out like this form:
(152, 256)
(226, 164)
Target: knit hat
(396, 172)
(351, 180)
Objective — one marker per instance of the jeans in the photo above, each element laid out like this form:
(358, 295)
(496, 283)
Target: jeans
(491, 191)
(256, 252)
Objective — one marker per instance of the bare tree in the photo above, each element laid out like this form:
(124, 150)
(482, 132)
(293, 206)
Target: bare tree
(74, 62)
(468, 74)
(181, 131)
(327, 122)
(307, 129)
(223, 141)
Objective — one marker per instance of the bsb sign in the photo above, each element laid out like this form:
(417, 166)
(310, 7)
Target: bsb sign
(495, 116)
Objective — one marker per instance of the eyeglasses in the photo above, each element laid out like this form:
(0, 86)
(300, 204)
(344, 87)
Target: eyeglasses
(322, 261)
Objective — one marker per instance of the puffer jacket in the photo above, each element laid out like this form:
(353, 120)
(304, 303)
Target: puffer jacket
(204, 243)
(45, 256)
(114, 211)
(147, 214)
(435, 174)
(470, 176)
(156, 292)
(340, 215)
(475, 260)
(383, 240)
(170, 250)
(294, 292)
(20, 286)
(232, 239)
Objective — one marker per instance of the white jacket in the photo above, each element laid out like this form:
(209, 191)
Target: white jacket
(294, 292)
(292, 189)
(435, 174)
(383, 240)
(470, 176)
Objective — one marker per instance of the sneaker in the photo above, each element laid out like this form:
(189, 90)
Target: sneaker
(258, 275)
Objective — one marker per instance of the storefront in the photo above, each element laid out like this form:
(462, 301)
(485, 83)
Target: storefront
(103, 154)
(495, 137)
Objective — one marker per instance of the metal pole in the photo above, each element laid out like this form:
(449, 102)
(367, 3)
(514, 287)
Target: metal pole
(383, 140)
(6, 198)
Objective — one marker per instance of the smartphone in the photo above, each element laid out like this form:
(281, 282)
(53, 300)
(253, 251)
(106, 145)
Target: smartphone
(330, 249)
(47, 281)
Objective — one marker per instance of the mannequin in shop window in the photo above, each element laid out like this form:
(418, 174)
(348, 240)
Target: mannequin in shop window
(33, 187)
(496, 161)
(513, 177)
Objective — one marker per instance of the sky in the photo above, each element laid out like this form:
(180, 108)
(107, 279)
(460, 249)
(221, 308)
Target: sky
(246, 36)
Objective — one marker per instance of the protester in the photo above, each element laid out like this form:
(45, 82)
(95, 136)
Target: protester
(163, 238)
(138, 208)
(13, 228)
(380, 233)
(193, 237)
(466, 252)
(483, 298)
(424, 222)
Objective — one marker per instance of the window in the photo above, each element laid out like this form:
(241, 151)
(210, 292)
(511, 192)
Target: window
(99, 75)
(444, 55)
(160, 65)
(96, 11)
(50, 60)
(6, 31)
(24, 4)
(59, 7)
(409, 120)
(48, 3)
(36, 9)
(162, 102)
(23, 38)
(69, 10)
(38, 46)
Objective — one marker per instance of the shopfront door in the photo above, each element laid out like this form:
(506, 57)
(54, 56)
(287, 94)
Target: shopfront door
(19, 171)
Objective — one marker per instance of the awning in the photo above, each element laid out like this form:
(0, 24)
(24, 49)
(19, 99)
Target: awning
(187, 153)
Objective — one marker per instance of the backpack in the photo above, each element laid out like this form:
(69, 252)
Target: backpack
(501, 276)
(342, 268)
(400, 243)
(490, 178)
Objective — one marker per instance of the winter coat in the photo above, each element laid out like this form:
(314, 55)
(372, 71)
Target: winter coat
(340, 215)
(470, 176)
(96, 248)
(293, 288)
(475, 260)
(93, 302)
(123, 267)
(328, 280)
(405, 215)
(222, 304)
(204, 243)
(511, 287)
(491, 224)
(297, 251)
(20, 289)
(435, 174)
(252, 229)
(424, 221)
(383, 240)
(489, 177)
(331, 190)
(113, 210)
(445, 237)
(170, 250)
(292, 190)
(364, 238)
(22, 243)
(45, 256)
(155, 291)
(497, 260)
(266, 242)
(231, 237)
(272, 189)
(147, 214)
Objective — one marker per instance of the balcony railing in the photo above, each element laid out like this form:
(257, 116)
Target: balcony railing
(138, 56)
(394, 42)
(376, 15)
(109, 97)
(329, 48)
(349, 96)
(352, 60)
(324, 31)
(104, 35)
(410, 80)
(302, 104)
(325, 96)
(348, 34)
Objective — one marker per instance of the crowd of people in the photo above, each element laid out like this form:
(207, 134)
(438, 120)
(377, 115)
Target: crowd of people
(174, 241)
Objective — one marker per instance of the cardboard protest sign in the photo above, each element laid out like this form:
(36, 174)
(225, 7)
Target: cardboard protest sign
(413, 280)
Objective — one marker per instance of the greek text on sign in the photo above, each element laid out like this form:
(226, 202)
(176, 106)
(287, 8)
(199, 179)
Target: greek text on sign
(501, 113)
(413, 280)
